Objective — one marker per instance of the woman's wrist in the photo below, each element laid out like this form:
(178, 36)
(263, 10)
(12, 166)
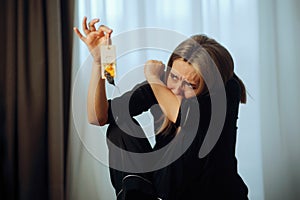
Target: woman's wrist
(153, 79)
(97, 63)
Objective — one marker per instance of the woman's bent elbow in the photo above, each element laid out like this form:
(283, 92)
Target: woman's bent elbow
(97, 121)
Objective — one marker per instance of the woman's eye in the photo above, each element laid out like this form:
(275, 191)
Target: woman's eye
(190, 86)
(173, 76)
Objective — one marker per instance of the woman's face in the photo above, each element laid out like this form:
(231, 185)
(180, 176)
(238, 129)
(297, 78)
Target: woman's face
(183, 80)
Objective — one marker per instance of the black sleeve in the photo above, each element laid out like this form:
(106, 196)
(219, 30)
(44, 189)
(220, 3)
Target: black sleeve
(131, 103)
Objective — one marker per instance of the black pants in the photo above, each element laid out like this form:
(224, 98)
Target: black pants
(129, 185)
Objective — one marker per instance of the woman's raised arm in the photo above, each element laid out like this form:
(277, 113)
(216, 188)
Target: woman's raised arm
(168, 102)
(97, 104)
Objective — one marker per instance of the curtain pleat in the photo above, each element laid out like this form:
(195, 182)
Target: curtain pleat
(280, 111)
(35, 89)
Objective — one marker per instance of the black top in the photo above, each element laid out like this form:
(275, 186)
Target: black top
(189, 177)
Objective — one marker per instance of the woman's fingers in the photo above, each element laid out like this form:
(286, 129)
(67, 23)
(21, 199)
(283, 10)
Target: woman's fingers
(79, 34)
(153, 69)
(155, 63)
(92, 24)
(84, 26)
(90, 27)
(106, 30)
(93, 36)
(90, 38)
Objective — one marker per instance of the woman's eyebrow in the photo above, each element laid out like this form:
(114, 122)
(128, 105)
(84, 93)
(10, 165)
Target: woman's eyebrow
(174, 74)
(192, 83)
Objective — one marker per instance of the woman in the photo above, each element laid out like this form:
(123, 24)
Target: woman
(183, 121)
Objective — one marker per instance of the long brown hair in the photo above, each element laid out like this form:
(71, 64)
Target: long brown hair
(200, 50)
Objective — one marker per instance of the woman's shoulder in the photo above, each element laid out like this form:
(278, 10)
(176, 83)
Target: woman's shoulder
(231, 87)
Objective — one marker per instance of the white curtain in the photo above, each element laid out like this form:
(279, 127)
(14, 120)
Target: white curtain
(279, 31)
(262, 40)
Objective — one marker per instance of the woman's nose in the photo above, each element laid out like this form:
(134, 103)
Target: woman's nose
(177, 89)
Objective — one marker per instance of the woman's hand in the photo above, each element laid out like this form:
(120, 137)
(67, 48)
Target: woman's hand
(154, 70)
(94, 37)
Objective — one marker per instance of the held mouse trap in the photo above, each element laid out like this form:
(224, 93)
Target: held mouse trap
(108, 63)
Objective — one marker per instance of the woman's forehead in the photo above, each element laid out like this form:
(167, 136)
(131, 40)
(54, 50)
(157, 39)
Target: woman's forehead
(185, 70)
